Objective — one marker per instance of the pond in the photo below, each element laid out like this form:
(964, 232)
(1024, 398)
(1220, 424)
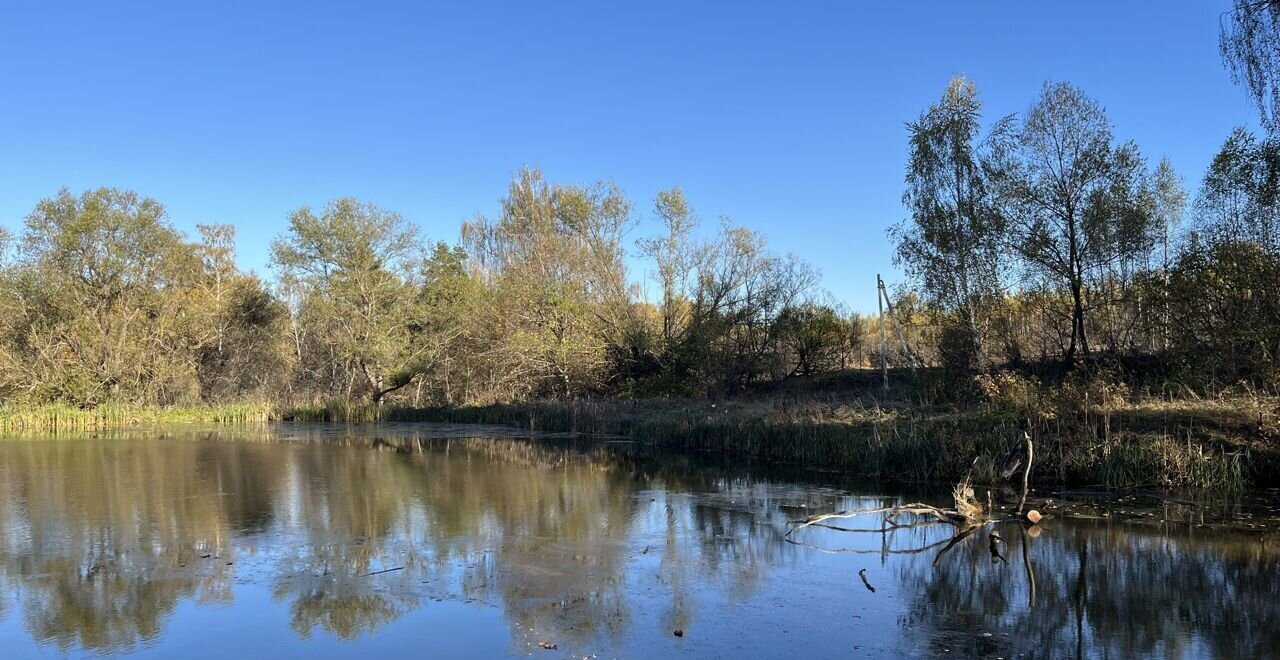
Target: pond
(445, 541)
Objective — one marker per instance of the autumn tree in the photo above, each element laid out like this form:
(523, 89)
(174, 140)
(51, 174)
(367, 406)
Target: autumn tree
(951, 245)
(555, 261)
(813, 338)
(243, 352)
(1223, 310)
(672, 253)
(742, 288)
(1077, 204)
(354, 267)
(101, 302)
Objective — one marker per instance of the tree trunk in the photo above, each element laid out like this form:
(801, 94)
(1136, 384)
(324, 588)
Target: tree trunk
(1078, 337)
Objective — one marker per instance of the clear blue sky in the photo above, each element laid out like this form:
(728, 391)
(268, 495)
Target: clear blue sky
(787, 117)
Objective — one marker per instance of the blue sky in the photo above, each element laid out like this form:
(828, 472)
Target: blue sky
(787, 117)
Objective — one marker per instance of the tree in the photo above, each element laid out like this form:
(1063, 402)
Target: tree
(1170, 203)
(250, 357)
(241, 348)
(673, 255)
(554, 259)
(1249, 39)
(812, 337)
(742, 289)
(101, 299)
(452, 301)
(1225, 311)
(1240, 195)
(951, 246)
(355, 266)
(1077, 205)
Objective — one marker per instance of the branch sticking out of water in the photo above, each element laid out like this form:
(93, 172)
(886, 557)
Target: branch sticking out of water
(385, 570)
(863, 574)
(967, 517)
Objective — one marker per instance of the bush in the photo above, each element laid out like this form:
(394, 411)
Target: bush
(1011, 392)
(958, 348)
(1082, 389)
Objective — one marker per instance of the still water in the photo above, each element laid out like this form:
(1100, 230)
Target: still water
(444, 541)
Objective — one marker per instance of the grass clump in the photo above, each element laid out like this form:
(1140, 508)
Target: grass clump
(57, 417)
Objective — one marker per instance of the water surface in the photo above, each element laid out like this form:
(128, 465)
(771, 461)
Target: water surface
(437, 541)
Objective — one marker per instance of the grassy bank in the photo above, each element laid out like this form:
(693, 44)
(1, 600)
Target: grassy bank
(1210, 445)
(1093, 436)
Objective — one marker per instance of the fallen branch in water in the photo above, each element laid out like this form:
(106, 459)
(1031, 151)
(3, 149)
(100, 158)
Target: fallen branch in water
(1026, 473)
(967, 512)
(863, 574)
(385, 570)
(942, 515)
(967, 517)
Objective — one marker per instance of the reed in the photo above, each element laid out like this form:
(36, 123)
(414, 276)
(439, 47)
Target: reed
(1126, 449)
(1204, 446)
(56, 417)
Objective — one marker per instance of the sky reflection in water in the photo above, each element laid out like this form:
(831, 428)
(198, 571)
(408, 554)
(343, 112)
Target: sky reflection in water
(407, 541)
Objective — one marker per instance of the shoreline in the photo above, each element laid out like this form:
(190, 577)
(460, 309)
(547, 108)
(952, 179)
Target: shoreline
(1217, 445)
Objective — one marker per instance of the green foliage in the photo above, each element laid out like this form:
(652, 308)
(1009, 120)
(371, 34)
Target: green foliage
(351, 273)
(101, 304)
(812, 337)
(952, 245)
(1250, 45)
(1080, 209)
(1224, 308)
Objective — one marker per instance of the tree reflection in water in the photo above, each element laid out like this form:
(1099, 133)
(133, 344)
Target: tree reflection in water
(101, 539)
(1097, 589)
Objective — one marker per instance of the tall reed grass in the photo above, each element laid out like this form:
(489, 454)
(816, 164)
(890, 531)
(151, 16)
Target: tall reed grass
(912, 443)
(55, 417)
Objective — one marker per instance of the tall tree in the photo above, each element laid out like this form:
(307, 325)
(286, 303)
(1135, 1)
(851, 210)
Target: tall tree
(1240, 195)
(242, 348)
(951, 244)
(104, 301)
(356, 265)
(452, 300)
(1077, 205)
(742, 288)
(555, 261)
(1170, 198)
(672, 253)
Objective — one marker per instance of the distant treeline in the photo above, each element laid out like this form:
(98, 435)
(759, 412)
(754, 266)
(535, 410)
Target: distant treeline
(102, 300)
(1036, 238)
(1045, 237)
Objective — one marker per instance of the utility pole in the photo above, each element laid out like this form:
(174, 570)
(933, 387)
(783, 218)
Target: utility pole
(902, 339)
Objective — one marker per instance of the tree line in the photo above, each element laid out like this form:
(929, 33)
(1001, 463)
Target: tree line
(1042, 236)
(103, 300)
(1036, 238)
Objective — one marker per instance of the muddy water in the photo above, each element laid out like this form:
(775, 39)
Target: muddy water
(434, 541)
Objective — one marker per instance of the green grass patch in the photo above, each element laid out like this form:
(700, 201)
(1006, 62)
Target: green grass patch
(54, 417)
